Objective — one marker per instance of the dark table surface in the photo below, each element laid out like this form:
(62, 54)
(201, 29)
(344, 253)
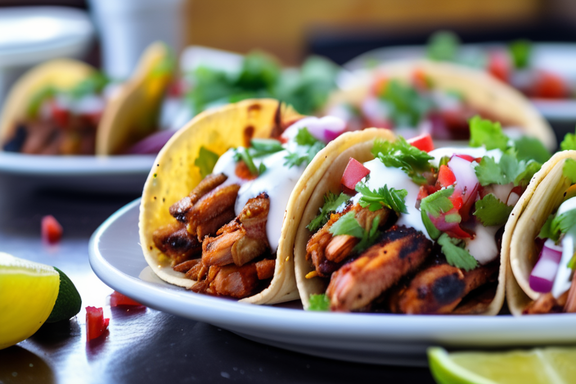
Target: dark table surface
(142, 345)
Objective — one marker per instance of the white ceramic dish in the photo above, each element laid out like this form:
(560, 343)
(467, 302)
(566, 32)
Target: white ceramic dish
(557, 57)
(117, 259)
(114, 174)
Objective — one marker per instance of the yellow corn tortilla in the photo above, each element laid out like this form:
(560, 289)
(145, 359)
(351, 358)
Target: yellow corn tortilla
(543, 196)
(128, 117)
(357, 145)
(479, 89)
(133, 113)
(174, 175)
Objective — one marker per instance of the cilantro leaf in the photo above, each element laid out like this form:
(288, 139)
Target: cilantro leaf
(558, 225)
(368, 237)
(435, 205)
(348, 225)
(487, 133)
(206, 161)
(569, 142)
(430, 227)
(242, 154)
(524, 177)
(456, 255)
(262, 147)
(569, 170)
(407, 106)
(443, 46)
(530, 148)
(520, 51)
(489, 172)
(491, 211)
(331, 203)
(308, 147)
(383, 197)
(319, 302)
(508, 170)
(400, 154)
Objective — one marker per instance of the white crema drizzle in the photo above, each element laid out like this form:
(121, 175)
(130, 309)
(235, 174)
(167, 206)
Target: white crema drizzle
(562, 281)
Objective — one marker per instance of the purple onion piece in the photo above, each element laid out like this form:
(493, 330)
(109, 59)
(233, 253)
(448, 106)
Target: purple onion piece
(542, 276)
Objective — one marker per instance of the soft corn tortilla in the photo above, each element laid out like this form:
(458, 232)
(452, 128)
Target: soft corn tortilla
(174, 175)
(129, 116)
(133, 113)
(357, 145)
(543, 196)
(478, 88)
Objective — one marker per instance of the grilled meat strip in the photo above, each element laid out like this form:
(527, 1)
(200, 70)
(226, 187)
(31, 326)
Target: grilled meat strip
(440, 288)
(399, 252)
(327, 252)
(235, 281)
(181, 208)
(175, 242)
(243, 239)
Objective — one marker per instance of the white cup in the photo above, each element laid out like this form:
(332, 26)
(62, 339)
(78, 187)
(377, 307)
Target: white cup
(127, 27)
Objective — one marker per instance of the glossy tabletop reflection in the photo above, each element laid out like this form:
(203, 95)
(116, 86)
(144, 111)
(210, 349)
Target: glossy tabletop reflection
(141, 345)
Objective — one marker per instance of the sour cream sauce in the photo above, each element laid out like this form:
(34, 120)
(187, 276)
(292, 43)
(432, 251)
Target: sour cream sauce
(562, 281)
(277, 181)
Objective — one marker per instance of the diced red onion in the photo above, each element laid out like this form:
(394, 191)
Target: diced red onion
(151, 144)
(324, 129)
(542, 276)
(466, 179)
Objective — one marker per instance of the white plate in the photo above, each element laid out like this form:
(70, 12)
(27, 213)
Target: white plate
(557, 57)
(113, 174)
(117, 259)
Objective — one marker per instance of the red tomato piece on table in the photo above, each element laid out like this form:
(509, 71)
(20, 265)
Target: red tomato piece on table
(118, 299)
(499, 66)
(549, 86)
(51, 230)
(96, 324)
(353, 173)
(422, 142)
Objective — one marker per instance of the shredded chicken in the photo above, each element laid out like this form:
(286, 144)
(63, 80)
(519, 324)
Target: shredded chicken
(181, 208)
(357, 283)
(175, 242)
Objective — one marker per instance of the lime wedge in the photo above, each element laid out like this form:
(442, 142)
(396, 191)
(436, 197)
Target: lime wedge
(28, 292)
(536, 366)
(68, 303)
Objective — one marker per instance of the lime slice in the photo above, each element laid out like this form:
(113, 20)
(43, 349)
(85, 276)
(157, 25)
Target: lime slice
(68, 303)
(28, 292)
(536, 366)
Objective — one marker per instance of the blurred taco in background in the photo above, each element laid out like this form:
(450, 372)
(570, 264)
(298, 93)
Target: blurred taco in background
(396, 226)
(542, 244)
(415, 97)
(212, 217)
(66, 107)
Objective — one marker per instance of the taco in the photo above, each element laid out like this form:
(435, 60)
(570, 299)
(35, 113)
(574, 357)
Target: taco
(397, 227)
(212, 217)
(416, 97)
(541, 245)
(66, 107)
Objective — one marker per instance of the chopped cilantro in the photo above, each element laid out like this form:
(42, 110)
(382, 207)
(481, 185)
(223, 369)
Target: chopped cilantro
(557, 225)
(491, 211)
(530, 148)
(319, 302)
(487, 133)
(308, 147)
(383, 197)
(206, 161)
(569, 170)
(400, 154)
(348, 225)
(569, 142)
(456, 255)
(407, 106)
(572, 262)
(243, 154)
(443, 46)
(435, 205)
(520, 51)
(262, 147)
(331, 203)
(508, 170)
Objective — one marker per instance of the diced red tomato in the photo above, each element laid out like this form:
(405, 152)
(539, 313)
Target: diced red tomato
(353, 173)
(426, 190)
(422, 142)
(118, 299)
(176, 88)
(445, 177)
(379, 85)
(421, 81)
(96, 324)
(51, 230)
(59, 115)
(549, 86)
(499, 66)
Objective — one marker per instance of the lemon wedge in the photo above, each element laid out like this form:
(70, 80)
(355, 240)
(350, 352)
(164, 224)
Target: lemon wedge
(28, 292)
(536, 366)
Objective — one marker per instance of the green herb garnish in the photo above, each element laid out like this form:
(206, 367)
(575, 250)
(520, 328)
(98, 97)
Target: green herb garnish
(308, 147)
(491, 211)
(487, 133)
(348, 225)
(508, 170)
(319, 302)
(206, 161)
(262, 147)
(383, 197)
(331, 203)
(557, 225)
(455, 254)
(407, 106)
(400, 154)
(242, 154)
(569, 142)
(443, 46)
(569, 170)
(521, 50)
